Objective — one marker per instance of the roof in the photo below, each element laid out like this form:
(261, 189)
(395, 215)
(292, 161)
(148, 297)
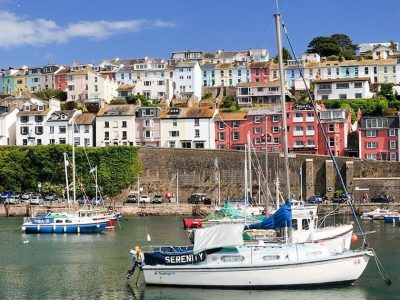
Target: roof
(207, 66)
(33, 113)
(85, 119)
(342, 80)
(186, 64)
(117, 110)
(349, 63)
(125, 86)
(265, 110)
(231, 116)
(258, 84)
(261, 64)
(188, 113)
(69, 114)
(127, 62)
(393, 122)
(224, 66)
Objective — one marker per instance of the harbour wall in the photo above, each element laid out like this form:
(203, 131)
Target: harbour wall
(211, 171)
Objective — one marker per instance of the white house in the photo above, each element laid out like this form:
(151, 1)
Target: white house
(8, 121)
(148, 67)
(124, 75)
(187, 79)
(115, 125)
(84, 134)
(345, 88)
(59, 126)
(30, 125)
(154, 87)
(382, 52)
(188, 128)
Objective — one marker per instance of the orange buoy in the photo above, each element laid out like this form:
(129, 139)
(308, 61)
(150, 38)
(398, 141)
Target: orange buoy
(354, 238)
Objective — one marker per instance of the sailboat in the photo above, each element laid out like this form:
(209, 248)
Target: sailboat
(221, 258)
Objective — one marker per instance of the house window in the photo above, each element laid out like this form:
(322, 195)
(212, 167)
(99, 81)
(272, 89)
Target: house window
(38, 119)
(51, 129)
(331, 142)
(115, 124)
(324, 86)
(62, 129)
(174, 133)
(24, 130)
(235, 124)
(199, 145)
(86, 130)
(331, 127)
(197, 133)
(275, 118)
(275, 129)
(106, 135)
(342, 96)
(106, 124)
(24, 119)
(196, 122)
(257, 141)
(329, 71)
(86, 142)
(174, 122)
(39, 130)
(221, 125)
(358, 95)
(235, 135)
(366, 70)
(343, 85)
(324, 97)
(147, 83)
(124, 135)
(358, 84)
(384, 69)
(124, 124)
(392, 144)
(392, 155)
(370, 133)
(371, 156)
(276, 140)
(371, 145)
(24, 142)
(310, 143)
(257, 130)
(257, 119)
(392, 132)
(299, 144)
(376, 123)
(221, 136)
(62, 140)
(77, 141)
(172, 144)
(52, 141)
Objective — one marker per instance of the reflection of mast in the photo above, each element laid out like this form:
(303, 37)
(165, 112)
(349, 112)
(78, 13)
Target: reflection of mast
(73, 163)
(283, 104)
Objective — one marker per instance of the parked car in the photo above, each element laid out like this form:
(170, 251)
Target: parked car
(130, 199)
(27, 196)
(316, 199)
(5, 195)
(13, 199)
(157, 199)
(381, 198)
(36, 199)
(52, 197)
(83, 200)
(97, 201)
(144, 199)
(197, 198)
(339, 199)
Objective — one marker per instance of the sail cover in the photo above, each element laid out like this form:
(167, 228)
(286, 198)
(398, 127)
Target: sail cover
(281, 218)
(223, 235)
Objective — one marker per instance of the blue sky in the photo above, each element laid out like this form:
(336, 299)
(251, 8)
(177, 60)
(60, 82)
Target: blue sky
(42, 31)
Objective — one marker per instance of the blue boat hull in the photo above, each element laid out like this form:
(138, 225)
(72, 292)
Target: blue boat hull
(65, 228)
(390, 219)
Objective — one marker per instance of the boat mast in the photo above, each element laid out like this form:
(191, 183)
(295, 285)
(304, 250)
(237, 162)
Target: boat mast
(66, 178)
(249, 166)
(266, 159)
(245, 179)
(283, 104)
(73, 163)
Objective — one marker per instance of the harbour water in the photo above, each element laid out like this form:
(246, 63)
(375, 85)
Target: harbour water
(47, 266)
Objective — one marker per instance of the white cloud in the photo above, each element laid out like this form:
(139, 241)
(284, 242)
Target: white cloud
(16, 31)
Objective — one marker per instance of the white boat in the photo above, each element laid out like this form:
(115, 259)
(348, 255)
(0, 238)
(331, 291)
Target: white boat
(376, 214)
(219, 258)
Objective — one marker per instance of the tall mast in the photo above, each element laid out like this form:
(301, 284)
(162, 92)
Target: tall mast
(250, 182)
(283, 104)
(266, 159)
(73, 163)
(66, 178)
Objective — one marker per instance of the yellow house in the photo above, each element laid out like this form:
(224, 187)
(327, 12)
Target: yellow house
(21, 81)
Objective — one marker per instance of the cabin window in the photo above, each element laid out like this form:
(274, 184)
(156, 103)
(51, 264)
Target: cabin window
(232, 258)
(294, 224)
(59, 221)
(305, 224)
(68, 221)
(271, 257)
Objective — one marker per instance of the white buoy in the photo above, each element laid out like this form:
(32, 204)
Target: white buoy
(148, 238)
(394, 222)
(25, 242)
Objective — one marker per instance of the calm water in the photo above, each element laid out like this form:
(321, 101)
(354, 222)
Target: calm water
(94, 266)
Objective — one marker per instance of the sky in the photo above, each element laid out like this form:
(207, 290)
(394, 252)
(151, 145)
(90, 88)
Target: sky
(37, 32)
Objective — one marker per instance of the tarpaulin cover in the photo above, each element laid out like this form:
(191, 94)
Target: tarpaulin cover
(223, 235)
(281, 218)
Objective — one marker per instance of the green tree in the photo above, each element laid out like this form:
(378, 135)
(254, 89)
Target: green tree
(117, 101)
(47, 94)
(338, 44)
(387, 91)
(344, 41)
(230, 103)
(133, 99)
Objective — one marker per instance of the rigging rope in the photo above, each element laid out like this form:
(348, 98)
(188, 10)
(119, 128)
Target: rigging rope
(349, 200)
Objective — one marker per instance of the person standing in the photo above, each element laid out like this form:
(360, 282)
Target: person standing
(137, 259)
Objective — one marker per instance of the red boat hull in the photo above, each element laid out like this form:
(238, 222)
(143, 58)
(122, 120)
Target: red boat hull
(192, 223)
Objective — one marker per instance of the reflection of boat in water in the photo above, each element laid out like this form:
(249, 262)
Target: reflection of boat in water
(376, 214)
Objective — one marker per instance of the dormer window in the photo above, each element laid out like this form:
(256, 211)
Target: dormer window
(63, 117)
(54, 117)
(27, 107)
(40, 108)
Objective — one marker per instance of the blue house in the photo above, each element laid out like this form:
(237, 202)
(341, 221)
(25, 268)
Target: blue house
(208, 74)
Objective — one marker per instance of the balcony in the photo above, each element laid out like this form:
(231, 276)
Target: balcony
(310, 119)
(298, 133)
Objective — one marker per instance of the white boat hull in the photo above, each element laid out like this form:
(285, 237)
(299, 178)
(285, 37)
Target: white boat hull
(347, 268)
